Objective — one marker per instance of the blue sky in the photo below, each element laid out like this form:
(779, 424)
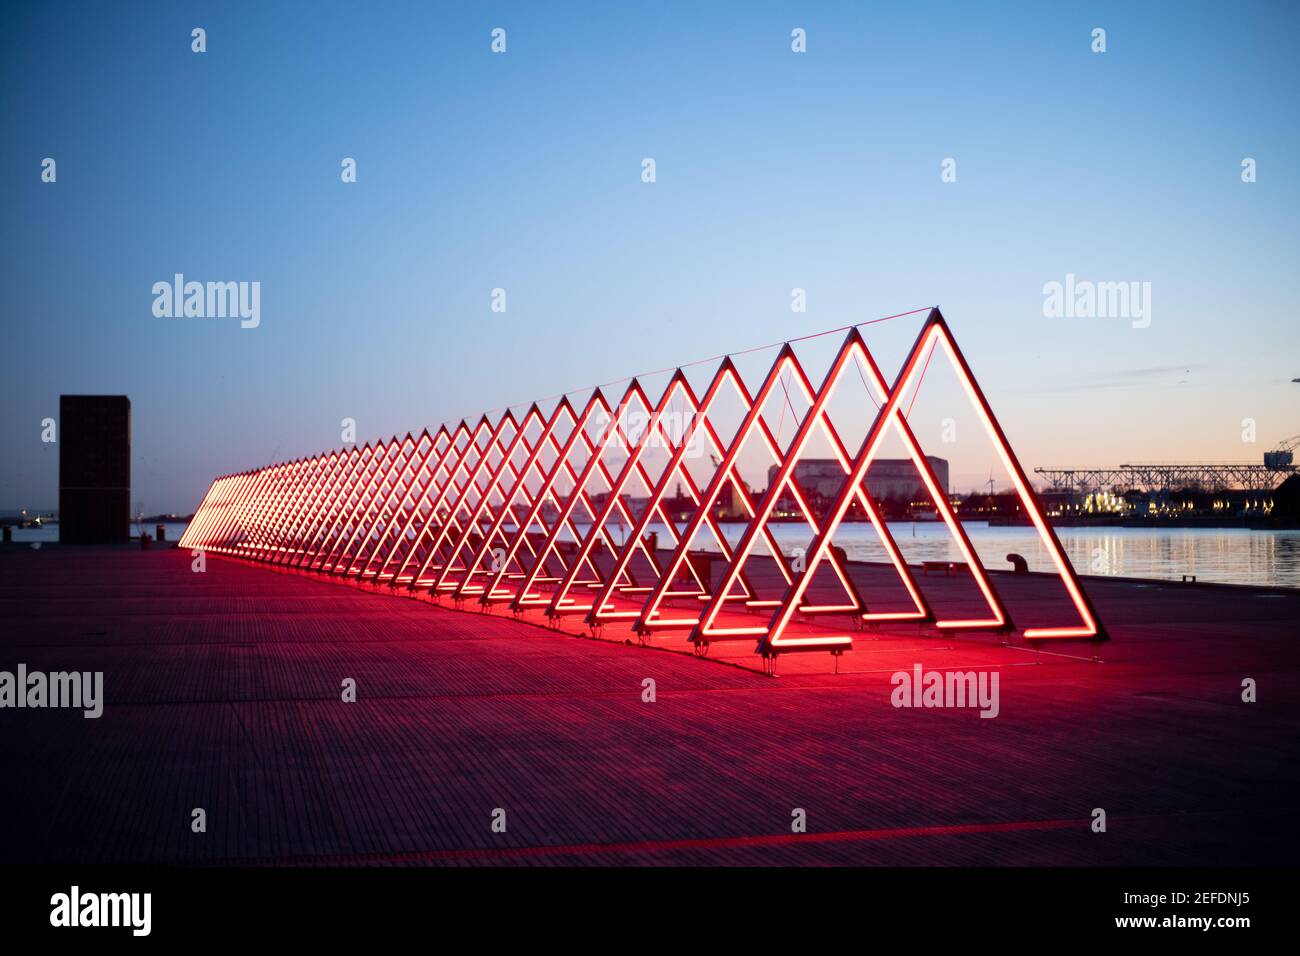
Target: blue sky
(522, 171)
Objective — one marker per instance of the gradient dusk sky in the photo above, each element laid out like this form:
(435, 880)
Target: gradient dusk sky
(775, 170)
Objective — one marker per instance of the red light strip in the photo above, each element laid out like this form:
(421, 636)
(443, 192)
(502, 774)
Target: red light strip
(390, 509)
(193, 536)
(583, 543)
(420, 522)
(241, 485)
(724, 478)
(305, 508)
(207, 535)
(369, 507)
(266, 520)
(370, 504)
(578, 441)
(725, 474)
(426, 478)
(308, 507)
(773, 638)
(456, 465)
(301, 473)
(1090, 627)
(344, 500)
(194, 530)
(561, 603)
(708, 629)
(466, 500)
(232, 526)
(310, 523)
(602, 608)
(369, 486)
(518, 492)
(500, 483)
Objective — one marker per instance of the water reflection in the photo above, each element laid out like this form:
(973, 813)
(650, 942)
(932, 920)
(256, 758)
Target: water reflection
(1227, 555)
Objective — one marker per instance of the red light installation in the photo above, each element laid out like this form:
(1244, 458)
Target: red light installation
(567, 544)
(516, 572)
(307, 506)
(370, 506)
(607, 605)
(516, 504)
(710, 627)
(464, 455)
(533, 513)
(418, 504)
(466, 497)
(394, 511)
(614, 508)
(343, 504)
(500, 482)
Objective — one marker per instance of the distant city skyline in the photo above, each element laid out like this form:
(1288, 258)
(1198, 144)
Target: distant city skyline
(781, 179)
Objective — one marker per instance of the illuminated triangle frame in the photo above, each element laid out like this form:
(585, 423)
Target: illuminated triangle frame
(707, 629)
(599, 612)
(935, 332)
(517, 493)
(389, 509)
(561, 604)
(595, 466)
(520, 598)
(500, 483)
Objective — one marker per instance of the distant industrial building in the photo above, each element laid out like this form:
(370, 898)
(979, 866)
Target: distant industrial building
(887, 478)
(1279, 464)
(1181, 490)
(94, 469)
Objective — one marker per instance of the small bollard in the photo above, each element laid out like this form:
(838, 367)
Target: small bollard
(9, 533)
(160, 532)
(145, 541)
(1018, 564)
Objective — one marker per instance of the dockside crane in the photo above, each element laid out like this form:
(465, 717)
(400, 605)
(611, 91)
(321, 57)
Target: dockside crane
(1282, 458)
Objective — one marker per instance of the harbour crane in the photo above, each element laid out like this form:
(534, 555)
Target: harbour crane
(1282, 458)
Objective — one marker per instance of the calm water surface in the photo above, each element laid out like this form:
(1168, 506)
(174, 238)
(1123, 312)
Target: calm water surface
(1228, 555)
